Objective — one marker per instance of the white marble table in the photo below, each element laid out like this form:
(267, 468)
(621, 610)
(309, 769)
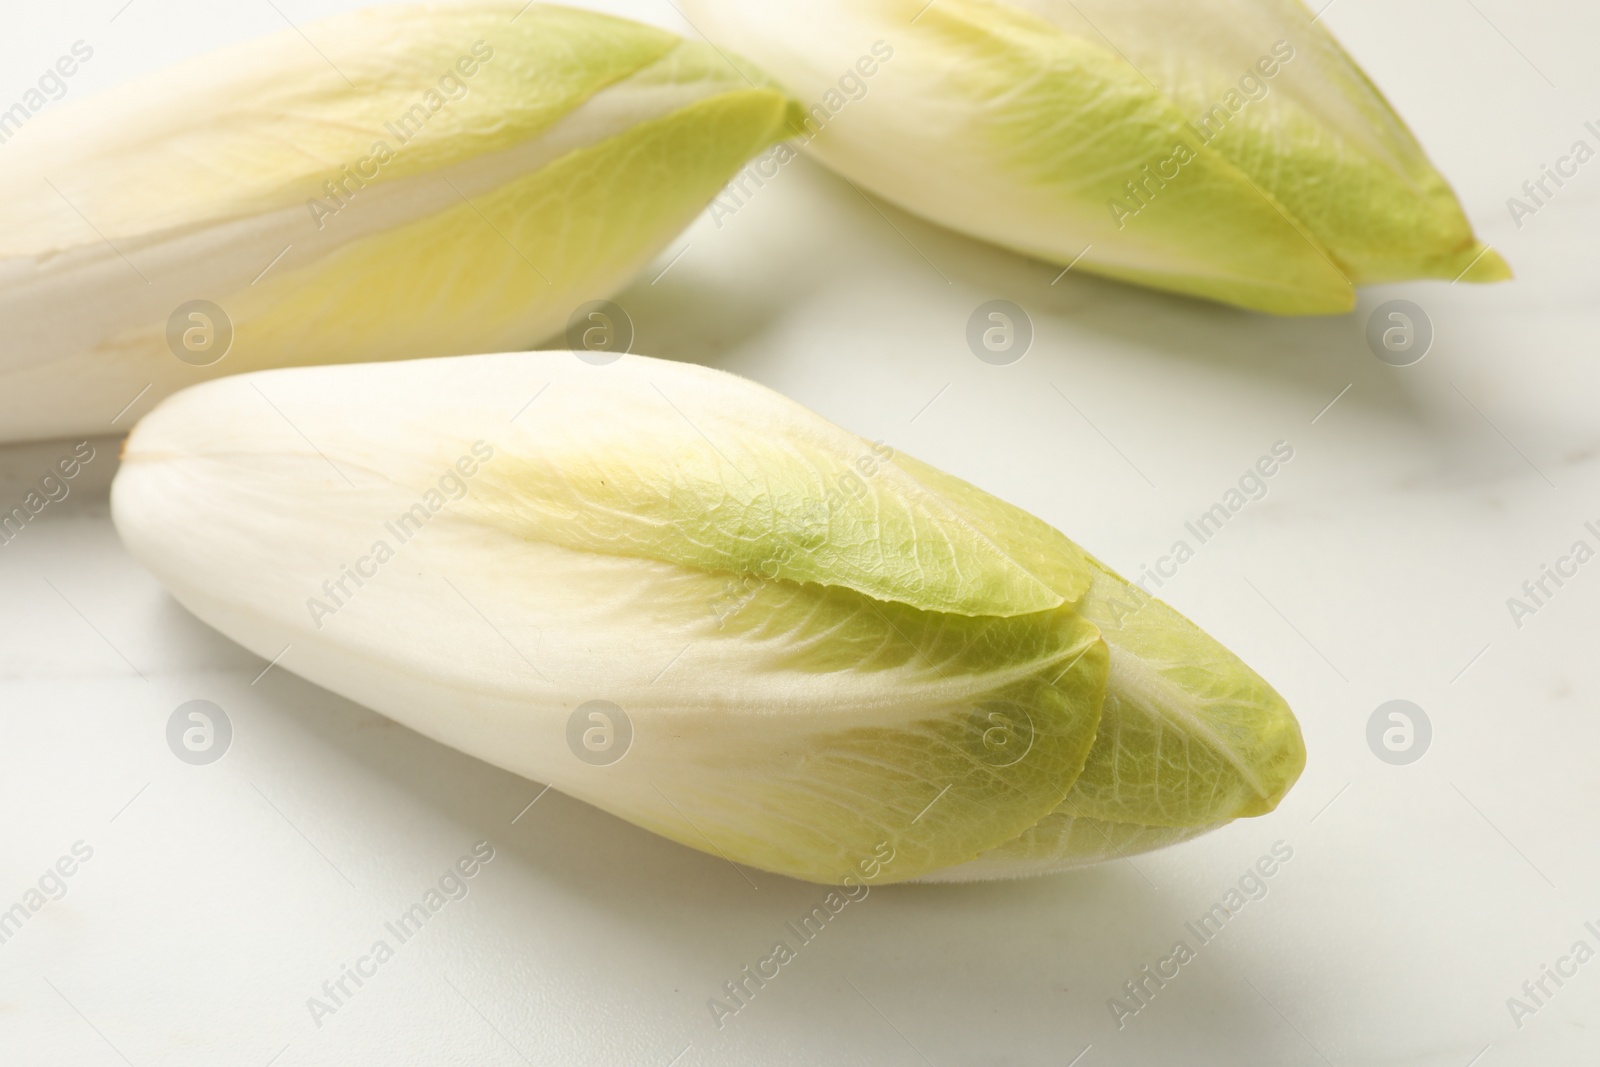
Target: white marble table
(216, 900)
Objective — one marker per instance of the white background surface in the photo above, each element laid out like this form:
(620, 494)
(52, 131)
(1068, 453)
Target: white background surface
(1418, 899)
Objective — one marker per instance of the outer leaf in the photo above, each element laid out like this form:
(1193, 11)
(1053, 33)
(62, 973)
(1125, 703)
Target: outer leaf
(697, 475)
(1189, 739)
(1317, 136)
(1190, 736)
(1072, 124)
(1061, 842)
